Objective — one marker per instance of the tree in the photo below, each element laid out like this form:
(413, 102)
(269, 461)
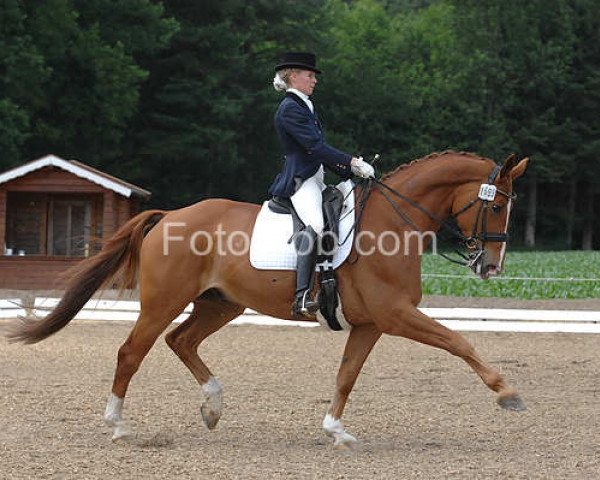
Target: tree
(94, 87)
(518, 68)
(579, 110)
(22, 73)
(176, 95)
(391, 79)
(206, 121)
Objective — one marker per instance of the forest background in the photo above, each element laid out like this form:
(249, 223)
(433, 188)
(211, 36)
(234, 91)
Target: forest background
(176, 95)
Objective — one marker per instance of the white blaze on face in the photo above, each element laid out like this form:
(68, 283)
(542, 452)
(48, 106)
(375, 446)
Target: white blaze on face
(503, 247)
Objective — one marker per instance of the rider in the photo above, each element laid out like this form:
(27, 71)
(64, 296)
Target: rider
(306, 152)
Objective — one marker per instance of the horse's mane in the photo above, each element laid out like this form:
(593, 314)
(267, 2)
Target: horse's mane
(433, 156)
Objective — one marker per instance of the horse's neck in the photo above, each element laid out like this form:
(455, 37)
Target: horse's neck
(432, 185)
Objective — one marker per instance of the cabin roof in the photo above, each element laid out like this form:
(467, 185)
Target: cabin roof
(79, 169)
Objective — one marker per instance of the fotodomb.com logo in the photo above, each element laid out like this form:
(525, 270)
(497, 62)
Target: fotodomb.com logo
(237, 242)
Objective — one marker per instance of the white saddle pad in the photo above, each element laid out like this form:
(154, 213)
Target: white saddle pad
(269, 247)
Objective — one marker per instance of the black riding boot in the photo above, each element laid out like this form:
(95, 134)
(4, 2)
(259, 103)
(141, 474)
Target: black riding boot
(306, 244)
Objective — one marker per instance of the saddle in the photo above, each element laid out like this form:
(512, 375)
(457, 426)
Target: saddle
(333, 204)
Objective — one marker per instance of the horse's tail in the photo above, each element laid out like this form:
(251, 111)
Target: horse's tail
(117, 262)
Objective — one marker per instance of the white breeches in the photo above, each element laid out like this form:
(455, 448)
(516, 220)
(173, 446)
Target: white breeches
(308, 201)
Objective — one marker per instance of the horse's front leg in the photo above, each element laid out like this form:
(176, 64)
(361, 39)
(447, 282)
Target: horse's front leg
(407, 321)
(358, 346)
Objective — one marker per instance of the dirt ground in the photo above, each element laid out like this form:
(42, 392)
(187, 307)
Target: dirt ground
(418, 412)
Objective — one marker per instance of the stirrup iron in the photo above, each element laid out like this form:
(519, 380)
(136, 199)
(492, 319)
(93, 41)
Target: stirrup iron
(308, 307)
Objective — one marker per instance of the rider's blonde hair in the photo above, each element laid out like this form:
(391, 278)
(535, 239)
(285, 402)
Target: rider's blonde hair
(281, 81)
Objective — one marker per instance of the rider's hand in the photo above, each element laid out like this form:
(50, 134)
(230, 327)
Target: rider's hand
(361, 168)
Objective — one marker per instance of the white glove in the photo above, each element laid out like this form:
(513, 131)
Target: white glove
(362, 169)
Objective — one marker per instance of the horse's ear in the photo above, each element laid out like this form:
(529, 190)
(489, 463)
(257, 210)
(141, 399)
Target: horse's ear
(509, 164)
(519, 170)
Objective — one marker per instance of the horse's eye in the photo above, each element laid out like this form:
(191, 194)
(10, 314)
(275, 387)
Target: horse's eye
(496, 208)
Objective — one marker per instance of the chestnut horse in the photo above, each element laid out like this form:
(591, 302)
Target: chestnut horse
(379, 292)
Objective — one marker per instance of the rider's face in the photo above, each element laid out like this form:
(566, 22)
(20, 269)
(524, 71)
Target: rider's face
(304, 80)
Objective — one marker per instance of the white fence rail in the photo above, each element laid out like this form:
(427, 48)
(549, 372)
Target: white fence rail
(10, 308)
(463, 319)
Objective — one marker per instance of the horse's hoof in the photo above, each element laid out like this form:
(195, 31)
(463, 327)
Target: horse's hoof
(345, 441)
(512, 402)
(210, 416)
(121, 432)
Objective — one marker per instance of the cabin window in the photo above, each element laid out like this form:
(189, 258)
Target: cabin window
(25, 218)
(46, 224)
(69, 224)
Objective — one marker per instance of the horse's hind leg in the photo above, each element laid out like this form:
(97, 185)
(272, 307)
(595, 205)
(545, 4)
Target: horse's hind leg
(208, 316)
(155, 316)
(413, 324)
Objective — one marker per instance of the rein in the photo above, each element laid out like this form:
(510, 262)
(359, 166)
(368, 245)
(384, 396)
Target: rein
(382, 187)
(359, 208)
(475, 243)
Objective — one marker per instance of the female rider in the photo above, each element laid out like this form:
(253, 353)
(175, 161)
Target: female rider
(306, 153)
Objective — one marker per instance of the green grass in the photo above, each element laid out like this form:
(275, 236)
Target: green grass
(526, 275)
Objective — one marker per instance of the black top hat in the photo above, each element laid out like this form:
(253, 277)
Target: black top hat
(303, 60)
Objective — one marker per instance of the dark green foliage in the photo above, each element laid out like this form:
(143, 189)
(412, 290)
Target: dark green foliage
(205, 125)
(22, 73)
(176, 94)
(73, 76)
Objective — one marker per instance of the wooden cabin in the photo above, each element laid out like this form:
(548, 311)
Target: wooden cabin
(54, 213)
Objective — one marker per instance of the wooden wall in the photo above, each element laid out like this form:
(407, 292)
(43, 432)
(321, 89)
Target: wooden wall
(43, 272)
(34, 273)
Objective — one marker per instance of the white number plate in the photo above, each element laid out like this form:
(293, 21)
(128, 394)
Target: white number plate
(487, 192)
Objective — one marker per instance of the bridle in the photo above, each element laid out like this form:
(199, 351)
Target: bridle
(487, 193)
(475, 243)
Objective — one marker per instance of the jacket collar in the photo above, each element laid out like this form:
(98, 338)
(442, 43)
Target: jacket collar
(297, 99)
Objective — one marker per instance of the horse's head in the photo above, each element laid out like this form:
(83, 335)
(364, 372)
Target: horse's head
(482, 212)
